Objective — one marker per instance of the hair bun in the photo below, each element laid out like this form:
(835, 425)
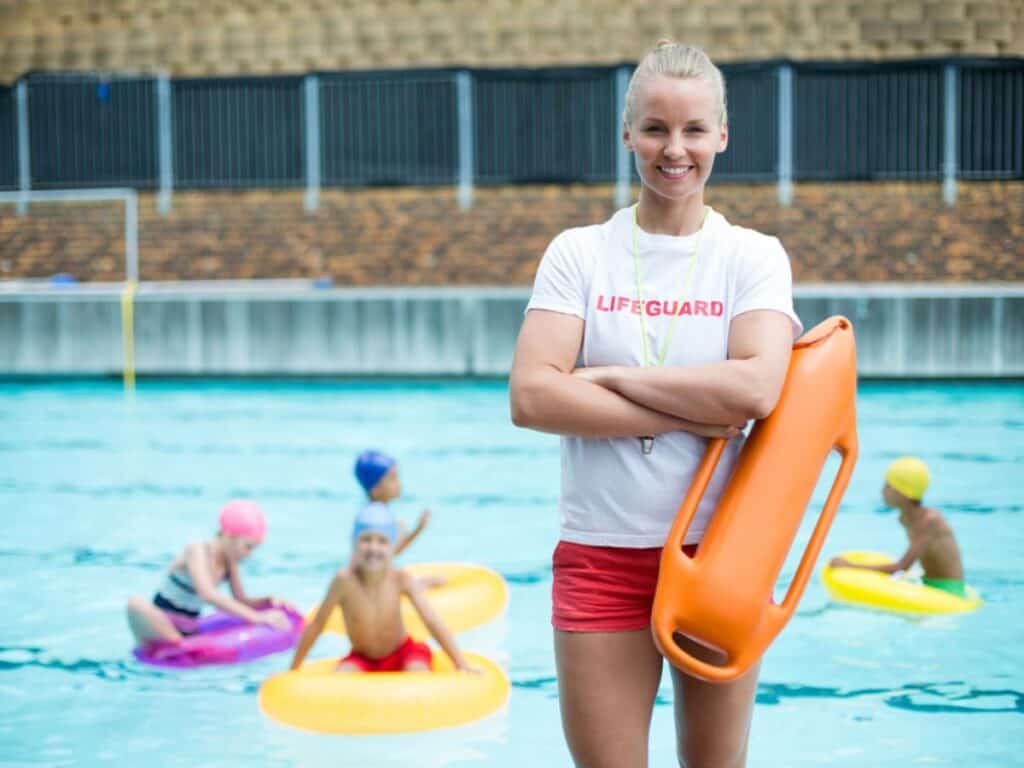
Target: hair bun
(663, 42)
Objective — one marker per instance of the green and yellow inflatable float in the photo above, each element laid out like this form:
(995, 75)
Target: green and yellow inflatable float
(874, 589)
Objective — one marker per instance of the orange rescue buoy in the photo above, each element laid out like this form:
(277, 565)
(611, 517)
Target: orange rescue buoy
(722, 597)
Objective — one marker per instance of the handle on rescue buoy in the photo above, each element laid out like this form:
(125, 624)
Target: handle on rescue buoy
(694, 597)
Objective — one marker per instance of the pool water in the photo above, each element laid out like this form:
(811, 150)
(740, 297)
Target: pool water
(98, 492)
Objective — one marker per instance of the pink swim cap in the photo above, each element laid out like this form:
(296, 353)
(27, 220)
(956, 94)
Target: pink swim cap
(240, 517)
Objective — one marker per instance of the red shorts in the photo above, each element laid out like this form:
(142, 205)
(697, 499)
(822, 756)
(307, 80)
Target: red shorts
(604, 589)
(406, 653)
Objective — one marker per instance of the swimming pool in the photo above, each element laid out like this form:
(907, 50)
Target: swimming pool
(97, 493)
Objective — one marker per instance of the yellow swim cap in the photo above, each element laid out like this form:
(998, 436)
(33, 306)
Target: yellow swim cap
(909, 475)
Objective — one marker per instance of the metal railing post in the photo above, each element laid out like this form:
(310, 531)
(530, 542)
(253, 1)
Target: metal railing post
(949, 164)
(464, 102)
(785, 109)
(165, 147)
(311, 106)
(24, 160)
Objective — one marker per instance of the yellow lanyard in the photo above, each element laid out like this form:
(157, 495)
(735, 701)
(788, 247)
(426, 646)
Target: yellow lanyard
(639, 288)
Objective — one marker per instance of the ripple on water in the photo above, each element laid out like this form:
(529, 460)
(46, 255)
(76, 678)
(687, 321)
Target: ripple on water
(953, 696)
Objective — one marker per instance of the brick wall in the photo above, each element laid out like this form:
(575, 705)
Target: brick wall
(415, 236)
(201, 37)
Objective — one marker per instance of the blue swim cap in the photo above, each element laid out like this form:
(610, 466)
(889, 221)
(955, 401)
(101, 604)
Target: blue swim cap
(371, 466)
(375, 517)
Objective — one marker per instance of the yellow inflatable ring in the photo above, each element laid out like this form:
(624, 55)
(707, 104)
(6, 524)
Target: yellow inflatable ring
(471, 596)
(873, 589)
(316, 698)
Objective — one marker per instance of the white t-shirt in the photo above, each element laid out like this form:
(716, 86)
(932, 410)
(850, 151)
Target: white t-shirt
(613, 494)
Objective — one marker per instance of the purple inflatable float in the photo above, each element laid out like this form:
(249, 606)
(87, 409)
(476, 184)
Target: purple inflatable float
(222, 639)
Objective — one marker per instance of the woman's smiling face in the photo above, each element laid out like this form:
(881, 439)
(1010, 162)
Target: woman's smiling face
(676, 132)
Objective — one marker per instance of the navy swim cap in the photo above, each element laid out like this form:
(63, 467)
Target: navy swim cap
(371, 466)
(375, 517)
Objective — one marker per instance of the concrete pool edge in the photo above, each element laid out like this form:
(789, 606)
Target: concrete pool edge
(298, 328)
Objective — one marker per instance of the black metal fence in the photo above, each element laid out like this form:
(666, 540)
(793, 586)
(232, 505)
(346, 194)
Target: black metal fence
(238, 133)
(85, 132)
(8, 140)
(555, 125)
(378, 129)
(752, 93)
(845, 121)
(857, 124)
(991, 142)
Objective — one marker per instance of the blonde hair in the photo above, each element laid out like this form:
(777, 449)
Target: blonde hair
(676, 60)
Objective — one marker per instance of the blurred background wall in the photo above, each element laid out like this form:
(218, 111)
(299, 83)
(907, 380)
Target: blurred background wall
(227, 37)
(881, 140)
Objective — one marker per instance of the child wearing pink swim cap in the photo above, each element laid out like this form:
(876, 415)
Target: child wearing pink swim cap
(192, 578)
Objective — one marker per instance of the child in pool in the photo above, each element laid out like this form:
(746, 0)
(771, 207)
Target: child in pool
(930, 535)
(377, 473)
(369, 592)
(192, 578)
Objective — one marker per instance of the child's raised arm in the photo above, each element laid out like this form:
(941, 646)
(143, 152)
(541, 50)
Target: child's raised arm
(313, 629)
(405, 539)
(412, 587)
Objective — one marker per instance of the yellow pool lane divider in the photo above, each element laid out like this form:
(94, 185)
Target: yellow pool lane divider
(128, 334)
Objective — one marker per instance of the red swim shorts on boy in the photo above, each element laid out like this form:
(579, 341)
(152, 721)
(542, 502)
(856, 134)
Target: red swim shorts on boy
(408, 652)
